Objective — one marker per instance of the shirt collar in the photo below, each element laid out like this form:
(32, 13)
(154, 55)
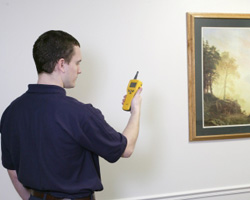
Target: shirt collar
(42, 88)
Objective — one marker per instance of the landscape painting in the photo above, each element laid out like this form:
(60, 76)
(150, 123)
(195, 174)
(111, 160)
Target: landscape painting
(226, 76)
(218, 47)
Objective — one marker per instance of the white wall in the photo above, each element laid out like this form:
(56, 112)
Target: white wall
(119, 37)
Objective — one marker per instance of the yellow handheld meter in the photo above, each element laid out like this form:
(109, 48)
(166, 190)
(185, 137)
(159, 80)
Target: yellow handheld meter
(132, 88)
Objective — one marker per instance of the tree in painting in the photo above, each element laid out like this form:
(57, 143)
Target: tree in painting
(227, 68)
(211, 58)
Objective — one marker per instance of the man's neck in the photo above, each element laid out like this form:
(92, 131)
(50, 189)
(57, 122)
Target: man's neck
(49, 79)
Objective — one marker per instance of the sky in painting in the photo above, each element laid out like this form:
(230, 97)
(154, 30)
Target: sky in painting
(236, 41)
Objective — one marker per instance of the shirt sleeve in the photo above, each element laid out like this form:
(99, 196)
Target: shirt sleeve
(6, 156)
(100, 138)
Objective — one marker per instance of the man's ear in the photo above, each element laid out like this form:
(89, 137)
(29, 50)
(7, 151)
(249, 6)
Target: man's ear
(60, 65)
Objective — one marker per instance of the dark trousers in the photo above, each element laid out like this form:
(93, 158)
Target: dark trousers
(35, 198)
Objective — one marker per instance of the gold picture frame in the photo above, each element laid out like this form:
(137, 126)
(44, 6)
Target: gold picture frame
(211, 115)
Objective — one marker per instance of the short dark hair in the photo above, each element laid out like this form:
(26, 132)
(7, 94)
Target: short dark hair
(52, 46)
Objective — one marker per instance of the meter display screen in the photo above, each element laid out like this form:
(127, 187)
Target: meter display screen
(133, 84)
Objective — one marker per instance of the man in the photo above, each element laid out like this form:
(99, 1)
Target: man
(51, 142)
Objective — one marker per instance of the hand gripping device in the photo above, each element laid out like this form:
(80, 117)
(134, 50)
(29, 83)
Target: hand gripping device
(132, 88)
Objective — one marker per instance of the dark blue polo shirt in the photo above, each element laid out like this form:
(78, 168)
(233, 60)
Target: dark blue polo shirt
(53, 142)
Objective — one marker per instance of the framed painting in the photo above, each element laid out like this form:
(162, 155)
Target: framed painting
(218, 75)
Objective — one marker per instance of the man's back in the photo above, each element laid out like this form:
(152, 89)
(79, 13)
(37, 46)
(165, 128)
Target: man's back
(52, 141)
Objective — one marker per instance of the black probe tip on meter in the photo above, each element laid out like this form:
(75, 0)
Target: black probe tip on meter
(132, 88)
(136, 75)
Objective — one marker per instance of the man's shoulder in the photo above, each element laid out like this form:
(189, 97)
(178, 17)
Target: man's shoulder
(14, 103)
(86, 107)
(73, 103)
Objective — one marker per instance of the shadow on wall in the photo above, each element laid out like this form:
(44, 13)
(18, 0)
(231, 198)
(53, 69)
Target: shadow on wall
(86, 87)
(127, 175)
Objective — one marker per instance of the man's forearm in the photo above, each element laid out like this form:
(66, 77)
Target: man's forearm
(21, 190)
(131, 133)
(132, 129)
